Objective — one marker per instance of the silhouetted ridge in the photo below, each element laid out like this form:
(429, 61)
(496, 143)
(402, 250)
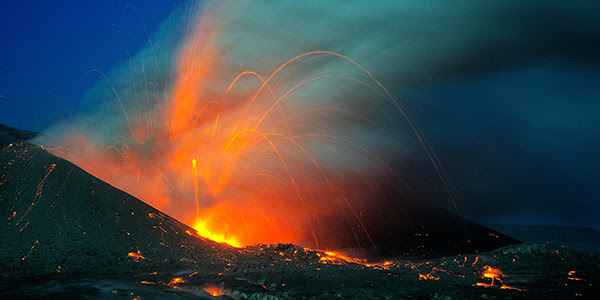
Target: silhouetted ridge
(12, 135)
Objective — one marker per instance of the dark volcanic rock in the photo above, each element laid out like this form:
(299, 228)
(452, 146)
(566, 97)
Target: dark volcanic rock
(58, 219)
(423, 231)
(13, 135)
(401, 226)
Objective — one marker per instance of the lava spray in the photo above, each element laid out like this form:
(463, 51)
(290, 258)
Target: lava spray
(258, 122)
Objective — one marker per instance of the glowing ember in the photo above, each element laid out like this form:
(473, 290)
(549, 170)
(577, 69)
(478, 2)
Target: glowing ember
(31, 250)
(136, 255)
(572, 276)
(175, 281)
(475, 262)
(428, 276)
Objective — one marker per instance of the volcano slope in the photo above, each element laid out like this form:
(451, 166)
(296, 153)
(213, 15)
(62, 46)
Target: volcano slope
(59, 219)
(64, 231)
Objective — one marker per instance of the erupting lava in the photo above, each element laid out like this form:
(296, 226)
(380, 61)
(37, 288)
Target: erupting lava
(255, 173)
(243, 160)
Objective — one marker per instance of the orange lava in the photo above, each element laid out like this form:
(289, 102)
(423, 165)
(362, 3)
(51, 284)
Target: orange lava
(494, 275)
(136, 255)
(220, 235)
(336, 258)
(428, 276)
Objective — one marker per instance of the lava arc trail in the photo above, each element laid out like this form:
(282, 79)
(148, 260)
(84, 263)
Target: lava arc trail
(307, 145)
(244, 159)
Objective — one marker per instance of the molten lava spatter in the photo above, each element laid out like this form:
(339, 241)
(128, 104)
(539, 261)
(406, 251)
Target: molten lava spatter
(249, 159)
(494, 276)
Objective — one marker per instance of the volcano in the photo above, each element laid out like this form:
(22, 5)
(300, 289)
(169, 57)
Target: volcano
(52, 206)
(66, 226)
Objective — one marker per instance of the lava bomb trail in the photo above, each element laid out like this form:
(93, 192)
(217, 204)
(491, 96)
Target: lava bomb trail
(257, 124)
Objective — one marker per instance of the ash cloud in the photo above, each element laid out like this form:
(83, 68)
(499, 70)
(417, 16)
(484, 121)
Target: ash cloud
(414, 49)
(408, 44)
(503, 90)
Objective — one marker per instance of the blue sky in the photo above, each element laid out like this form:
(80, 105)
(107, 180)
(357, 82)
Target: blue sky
(49, 46)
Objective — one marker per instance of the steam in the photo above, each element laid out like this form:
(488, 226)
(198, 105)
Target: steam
(339, 126)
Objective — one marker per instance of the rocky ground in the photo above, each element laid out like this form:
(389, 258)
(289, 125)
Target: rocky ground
(66, 234)
(290, 272)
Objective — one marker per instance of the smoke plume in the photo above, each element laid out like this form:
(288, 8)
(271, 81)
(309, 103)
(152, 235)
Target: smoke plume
(285, 121)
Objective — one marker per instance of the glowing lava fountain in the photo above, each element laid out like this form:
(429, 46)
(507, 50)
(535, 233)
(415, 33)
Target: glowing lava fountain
(244, 159)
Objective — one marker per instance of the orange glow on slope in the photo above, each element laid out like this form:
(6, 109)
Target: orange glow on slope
(202, 227)
(336, 258)
(213, 291)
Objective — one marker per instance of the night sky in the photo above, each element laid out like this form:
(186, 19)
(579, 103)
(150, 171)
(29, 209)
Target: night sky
(519, 140)
(49, 46)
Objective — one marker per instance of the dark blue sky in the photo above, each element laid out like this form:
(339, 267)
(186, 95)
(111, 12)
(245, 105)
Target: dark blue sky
(519, 143)
(49, 46)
